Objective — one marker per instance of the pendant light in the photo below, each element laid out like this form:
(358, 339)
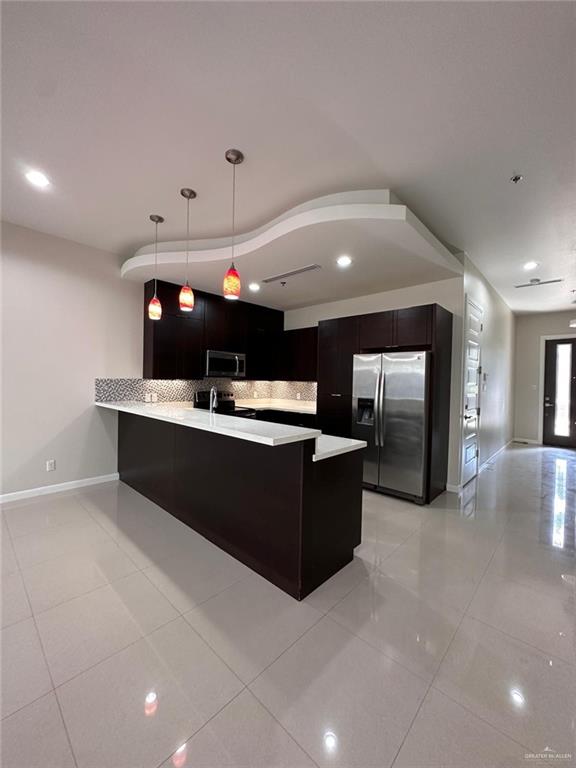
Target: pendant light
(155, 308)
(231, 285)
(186, 299)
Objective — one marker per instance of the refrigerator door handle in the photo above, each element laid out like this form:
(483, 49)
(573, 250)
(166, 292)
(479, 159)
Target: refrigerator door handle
(381, 393)
(376, 417)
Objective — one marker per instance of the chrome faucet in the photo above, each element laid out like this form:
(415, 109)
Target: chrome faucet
(213, 399)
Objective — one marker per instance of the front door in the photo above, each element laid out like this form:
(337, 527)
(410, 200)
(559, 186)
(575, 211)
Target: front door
(560, 393)
(471, 405)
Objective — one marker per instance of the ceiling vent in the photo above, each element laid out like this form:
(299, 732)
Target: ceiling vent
(293, 273)
(536, 282)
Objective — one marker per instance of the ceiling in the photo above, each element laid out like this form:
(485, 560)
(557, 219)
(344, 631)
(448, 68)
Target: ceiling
(121, 104)
(390, 248)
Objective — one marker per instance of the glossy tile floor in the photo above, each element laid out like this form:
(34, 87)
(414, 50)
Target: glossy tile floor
(129, 641)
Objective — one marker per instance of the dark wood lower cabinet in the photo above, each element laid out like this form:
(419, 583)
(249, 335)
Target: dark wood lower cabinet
(334, 413)
(293, 521)
(287, 417)
(146, 457)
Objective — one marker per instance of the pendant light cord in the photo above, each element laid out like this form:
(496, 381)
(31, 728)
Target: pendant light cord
(233, 208)
(187, 237)
(155, 257)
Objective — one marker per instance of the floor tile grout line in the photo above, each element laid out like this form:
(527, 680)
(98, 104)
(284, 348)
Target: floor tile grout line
(197, 731)
(115, 653)
(378, 650)
(137, 640)
(58, 704)
(33, 701)
(434, 676)
(292, 644)
(39, 500)
(290, 735)
(479, 717)
(83, 594)
(516, 639)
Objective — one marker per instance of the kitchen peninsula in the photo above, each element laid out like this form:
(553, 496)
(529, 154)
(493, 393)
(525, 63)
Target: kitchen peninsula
(284, 500)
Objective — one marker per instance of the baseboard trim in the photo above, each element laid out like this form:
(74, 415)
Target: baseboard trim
(526, 440)
(496, 453)
(44, 490)
(453, 488)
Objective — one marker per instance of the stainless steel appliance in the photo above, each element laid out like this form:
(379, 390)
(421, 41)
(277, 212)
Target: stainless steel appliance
(220, 401)
(389, 412)
(229, 365)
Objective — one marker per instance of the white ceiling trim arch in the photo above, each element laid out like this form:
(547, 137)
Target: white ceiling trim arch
(378, 205)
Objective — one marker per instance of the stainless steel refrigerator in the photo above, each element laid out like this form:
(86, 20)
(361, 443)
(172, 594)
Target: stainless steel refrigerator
(389, 412)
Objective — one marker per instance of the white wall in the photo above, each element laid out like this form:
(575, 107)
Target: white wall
(67, 317)
(527, 394)
(496, 397)
(447, 293)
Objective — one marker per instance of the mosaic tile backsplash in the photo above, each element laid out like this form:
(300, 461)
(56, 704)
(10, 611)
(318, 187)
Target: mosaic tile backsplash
(172, 390)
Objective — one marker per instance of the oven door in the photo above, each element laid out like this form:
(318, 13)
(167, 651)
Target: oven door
(226, 365)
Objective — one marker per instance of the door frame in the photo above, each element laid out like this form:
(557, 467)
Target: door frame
(468, 300)
(541, 372)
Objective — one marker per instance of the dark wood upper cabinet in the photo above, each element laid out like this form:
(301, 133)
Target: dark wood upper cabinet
(175, 346)
(337, 343)
(299, 355)
(225, 324)
(410, 327)
(377, 330)
(413, 326)
(264, 342)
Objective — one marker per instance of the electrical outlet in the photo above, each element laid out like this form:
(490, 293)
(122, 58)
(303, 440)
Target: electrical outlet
(255, 394)
(154, 397)
(297, 395)
(147, 397)
(51, 465)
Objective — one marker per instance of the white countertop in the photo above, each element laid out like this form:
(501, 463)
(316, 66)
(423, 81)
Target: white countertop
(295, 406)
(264, 432)
(185, 414)
(328, 446)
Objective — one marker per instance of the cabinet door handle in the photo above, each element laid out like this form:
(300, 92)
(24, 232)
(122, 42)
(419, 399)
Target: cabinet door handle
(335, 394)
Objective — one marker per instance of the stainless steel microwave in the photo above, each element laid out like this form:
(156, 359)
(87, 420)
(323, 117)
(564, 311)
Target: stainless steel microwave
(228, 365)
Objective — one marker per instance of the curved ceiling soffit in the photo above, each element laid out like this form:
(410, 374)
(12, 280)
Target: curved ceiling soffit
(375, 205)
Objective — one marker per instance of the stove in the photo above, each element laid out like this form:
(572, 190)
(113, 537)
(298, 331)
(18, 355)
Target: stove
(226, 404)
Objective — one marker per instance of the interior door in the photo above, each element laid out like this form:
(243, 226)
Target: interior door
(365, 414)
(560, 393)
(471, 405)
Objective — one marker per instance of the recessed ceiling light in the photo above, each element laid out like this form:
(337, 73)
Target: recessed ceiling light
(344, 261)
(38, 179)
(516, 178)
(254, 287)
(530, 265)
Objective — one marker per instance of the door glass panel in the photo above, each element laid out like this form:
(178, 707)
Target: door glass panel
(562, 397)
(559, 518)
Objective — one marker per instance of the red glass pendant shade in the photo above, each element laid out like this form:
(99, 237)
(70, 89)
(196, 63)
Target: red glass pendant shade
(231, 286)
(186, 298)
(154, 308)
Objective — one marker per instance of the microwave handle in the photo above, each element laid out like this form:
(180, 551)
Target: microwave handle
(237, 364)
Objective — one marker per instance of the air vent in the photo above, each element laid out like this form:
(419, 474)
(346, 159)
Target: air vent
(293, 273)
(535, 282)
